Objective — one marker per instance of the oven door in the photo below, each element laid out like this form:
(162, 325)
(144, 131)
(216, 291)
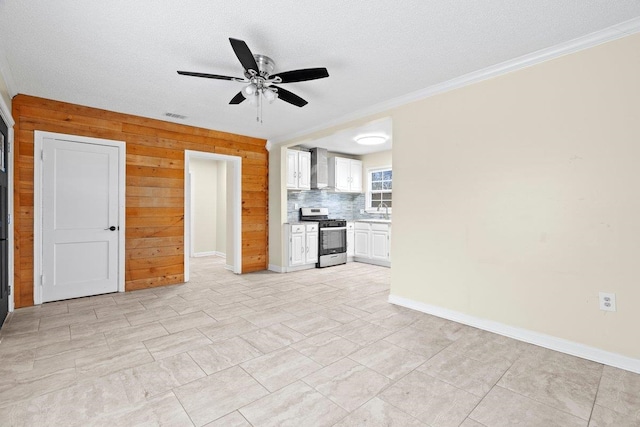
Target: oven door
(333, 240)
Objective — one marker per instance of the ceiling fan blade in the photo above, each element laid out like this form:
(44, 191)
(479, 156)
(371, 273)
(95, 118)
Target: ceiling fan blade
(302, 75)
(208, 76)
(244, 54)
(289, 97)
(237, 99)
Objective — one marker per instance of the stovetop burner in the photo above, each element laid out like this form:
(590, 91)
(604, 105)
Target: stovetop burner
(321, 215)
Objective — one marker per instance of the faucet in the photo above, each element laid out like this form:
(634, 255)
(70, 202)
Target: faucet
(386, 209)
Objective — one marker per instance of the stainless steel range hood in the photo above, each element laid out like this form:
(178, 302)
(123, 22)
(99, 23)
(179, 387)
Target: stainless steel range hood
(319, 168)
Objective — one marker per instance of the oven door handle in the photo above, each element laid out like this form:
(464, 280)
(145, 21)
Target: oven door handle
(333, 228)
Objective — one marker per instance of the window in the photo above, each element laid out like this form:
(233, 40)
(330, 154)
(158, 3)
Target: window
(379, 190)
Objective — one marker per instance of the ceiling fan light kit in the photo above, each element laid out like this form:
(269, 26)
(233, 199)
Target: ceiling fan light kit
(259, 80)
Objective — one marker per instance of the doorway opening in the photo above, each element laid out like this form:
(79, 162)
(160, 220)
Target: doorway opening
(212, 208)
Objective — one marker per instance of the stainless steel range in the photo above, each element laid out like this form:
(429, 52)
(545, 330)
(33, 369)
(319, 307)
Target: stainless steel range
(332, 237)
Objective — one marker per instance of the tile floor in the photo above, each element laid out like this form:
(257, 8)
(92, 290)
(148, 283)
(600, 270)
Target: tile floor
(313, 348)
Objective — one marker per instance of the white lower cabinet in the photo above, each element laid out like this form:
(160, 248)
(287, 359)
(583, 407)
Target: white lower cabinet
(302, 246)
(373, 243)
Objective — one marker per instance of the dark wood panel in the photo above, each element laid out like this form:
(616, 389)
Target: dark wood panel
(154, 162)
(155, 252)
(76, 119)
(155, 221)
(154, 172)
(136, 191)
(154, 187)
(150, 232)
(146, 181)
(156, 271)
(154, 262)
(154, 242)
(134, 285)
(155, 151)
(151, 212)
(152, 202)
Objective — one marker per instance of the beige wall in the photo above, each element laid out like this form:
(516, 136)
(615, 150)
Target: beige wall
(221, 207)
(277, 204)
(203, 190)
(209, 204)
(516, 199)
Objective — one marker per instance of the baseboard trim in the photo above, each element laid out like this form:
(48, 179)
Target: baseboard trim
(531, 337)
(275, 268)
(202, 254)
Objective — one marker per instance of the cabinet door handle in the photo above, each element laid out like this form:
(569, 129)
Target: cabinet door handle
(301, 250)
(307, 249)
(295, 174)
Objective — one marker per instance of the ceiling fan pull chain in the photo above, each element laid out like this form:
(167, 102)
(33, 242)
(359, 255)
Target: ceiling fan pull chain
(259, 112)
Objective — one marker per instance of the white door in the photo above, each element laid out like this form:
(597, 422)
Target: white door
(79, 219)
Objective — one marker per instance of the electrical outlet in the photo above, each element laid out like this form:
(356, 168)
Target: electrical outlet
(296, 206)
(607, 301)
(361, 211)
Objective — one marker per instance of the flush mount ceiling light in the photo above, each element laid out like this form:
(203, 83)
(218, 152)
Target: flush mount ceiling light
(371, 139)
(260, 80)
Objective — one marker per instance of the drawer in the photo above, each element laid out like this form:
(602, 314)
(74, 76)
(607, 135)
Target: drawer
(298, 228)
(362, 226)
(379, 227)
(312, 227)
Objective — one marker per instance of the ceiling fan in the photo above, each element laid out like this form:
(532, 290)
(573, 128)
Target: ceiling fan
(260, 81)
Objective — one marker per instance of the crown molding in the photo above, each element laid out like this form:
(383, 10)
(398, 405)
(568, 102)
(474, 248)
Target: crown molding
(5, 72)
(5, 113)
(614, 32)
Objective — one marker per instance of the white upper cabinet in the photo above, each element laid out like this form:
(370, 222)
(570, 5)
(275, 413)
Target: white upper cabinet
(298, 170)
(345, 174)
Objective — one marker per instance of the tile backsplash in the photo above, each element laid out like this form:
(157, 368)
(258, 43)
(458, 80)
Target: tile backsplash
(341, 205)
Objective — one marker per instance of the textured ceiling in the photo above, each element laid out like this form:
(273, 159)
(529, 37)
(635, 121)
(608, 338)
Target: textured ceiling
(123, 55)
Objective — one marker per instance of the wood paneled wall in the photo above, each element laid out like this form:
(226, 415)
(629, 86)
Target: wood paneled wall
(154, 188)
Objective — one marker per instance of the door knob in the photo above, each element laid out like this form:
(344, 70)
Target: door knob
(112, 228)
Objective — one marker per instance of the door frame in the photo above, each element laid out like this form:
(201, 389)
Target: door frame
(5, 113)
(38, 139)
(234, 187)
